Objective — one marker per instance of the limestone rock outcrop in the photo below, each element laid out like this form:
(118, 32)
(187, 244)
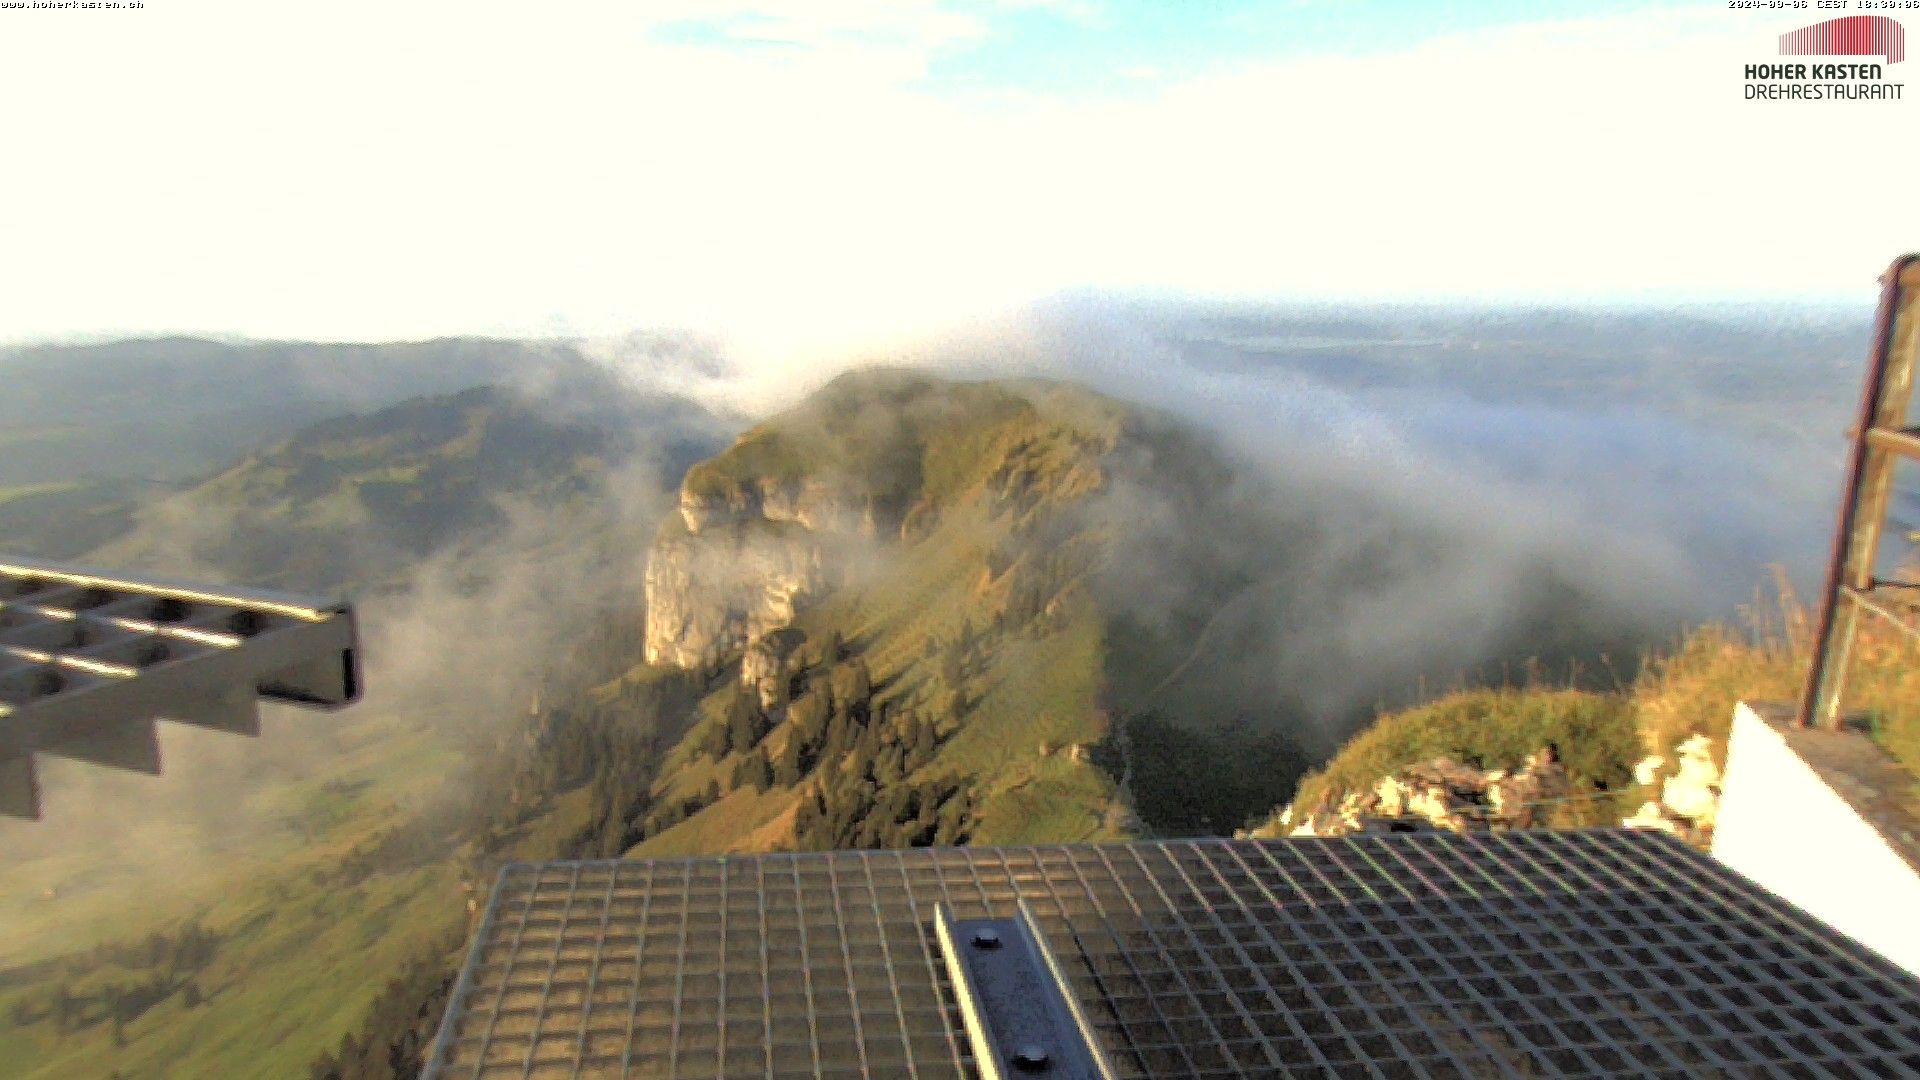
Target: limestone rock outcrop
(1689, 801)
(741, 559)
(711, 592)
(764, 664)
(1443, 793)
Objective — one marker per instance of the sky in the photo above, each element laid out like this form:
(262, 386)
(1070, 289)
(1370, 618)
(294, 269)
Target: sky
(808, 174)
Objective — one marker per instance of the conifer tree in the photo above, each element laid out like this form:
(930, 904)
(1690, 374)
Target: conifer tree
(786, 771)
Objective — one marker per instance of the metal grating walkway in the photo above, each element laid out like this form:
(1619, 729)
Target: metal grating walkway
(1517, 954)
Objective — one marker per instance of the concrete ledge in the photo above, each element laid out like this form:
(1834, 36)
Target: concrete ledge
(1824, 820)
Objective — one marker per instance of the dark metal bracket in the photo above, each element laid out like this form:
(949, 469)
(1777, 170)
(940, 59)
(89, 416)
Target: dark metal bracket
(1021, 1017)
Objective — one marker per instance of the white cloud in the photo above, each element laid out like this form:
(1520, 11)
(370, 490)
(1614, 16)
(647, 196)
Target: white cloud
(399, 171)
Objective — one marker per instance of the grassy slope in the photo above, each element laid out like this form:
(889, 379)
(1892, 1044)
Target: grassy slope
(295, 965)
(21, 491)
(1594, 733)
(64, 519)
(375, 763)
(301, 952)
(1690, 690)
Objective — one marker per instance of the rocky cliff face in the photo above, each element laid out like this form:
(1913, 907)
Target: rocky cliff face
(737, 564)
(764, 666)
(809, 504)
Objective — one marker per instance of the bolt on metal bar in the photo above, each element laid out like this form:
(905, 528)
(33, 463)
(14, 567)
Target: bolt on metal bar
(1880, 438)
(1018, 1008)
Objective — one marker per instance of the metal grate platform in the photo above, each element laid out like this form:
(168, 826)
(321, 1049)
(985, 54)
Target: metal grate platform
(89, 661)
(1427, 955)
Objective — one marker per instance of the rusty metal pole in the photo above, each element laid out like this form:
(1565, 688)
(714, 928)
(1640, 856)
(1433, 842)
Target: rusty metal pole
(1879, 436)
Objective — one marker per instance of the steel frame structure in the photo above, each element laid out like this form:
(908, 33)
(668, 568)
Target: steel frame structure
(90, 660)
(1881, 437)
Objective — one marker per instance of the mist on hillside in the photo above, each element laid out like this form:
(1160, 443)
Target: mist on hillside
(1322, 514)
(1414, 499)
(459, 629)
(1423, 498)
(1441, 532)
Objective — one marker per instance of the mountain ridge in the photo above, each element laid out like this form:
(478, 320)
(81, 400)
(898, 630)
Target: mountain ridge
(908, 572)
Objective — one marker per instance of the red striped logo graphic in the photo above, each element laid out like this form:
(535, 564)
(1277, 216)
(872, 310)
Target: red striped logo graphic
(1855, 35)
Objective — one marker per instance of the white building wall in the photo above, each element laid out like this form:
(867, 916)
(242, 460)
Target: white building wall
(1782, 826)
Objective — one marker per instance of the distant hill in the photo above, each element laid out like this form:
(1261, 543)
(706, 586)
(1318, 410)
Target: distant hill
(357, 501)
(90, 431)
(166, 409)
(65, 519)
